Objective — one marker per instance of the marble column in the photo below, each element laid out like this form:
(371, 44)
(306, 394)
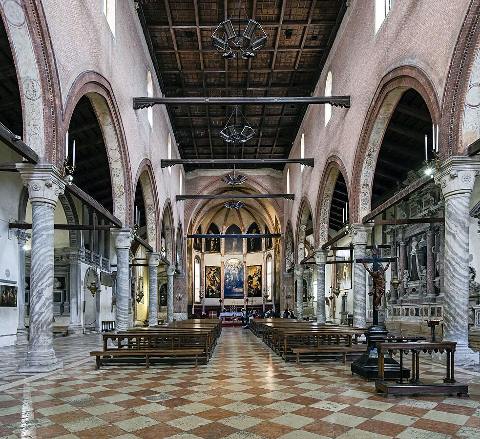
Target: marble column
(402, 258)
(75, 325)
(394, 271)
(456, 179)
(430, 266)
(22, 333)
(441, 259)
(123, 240)
(153, 261)
(299, 281)
(359, 234)
(170, 274)
(321, 259)
(44, 186)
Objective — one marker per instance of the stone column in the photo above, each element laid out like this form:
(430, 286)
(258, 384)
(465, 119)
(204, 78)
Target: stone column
(456, 178)
(123, 240)
(299, 279)
(394, 271)
(153, 261)
(402, 258)
(75, 325)
(359, 240)
(22, 333)
(44, 186)
(170, 274)
(430, 266)
(321, 259)
(441, 259)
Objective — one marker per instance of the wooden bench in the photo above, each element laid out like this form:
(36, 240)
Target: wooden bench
(60, 330)
(101, 356)
(330, 349)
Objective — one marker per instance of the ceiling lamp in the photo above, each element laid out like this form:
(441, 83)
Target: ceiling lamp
(234, 179)
(233, 44)
(232, 204)
(237, 130)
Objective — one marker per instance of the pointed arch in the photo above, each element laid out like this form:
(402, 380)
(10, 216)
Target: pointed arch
(388, 94)
(167, 232)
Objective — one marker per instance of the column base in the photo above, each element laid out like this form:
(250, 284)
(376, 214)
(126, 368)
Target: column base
(40, 362)
(22, 337)
(75, 329)
(180, 316)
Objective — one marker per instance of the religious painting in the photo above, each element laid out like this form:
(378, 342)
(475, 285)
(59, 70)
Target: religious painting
(212, 245)
(254, 281)
(8, 296)
(254, 244)
(343, 275)
(233, 287)
(233, 245)
(212, 282)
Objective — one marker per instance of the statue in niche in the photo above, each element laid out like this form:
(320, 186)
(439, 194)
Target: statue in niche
(414, 273)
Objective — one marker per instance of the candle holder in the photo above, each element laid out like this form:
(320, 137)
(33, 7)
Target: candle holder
(68, 171)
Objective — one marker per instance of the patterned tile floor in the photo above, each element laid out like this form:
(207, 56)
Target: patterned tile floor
(245, 392)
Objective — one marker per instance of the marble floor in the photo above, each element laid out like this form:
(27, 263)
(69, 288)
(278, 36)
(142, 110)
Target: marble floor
(245, 391)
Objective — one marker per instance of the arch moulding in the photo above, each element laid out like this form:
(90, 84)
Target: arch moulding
(388, 94)
(334, 166)
(99, 91)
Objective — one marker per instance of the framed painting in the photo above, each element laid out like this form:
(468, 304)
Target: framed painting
(8, 296)
(254, 281)
(234, 277)
(213, 282)
(343, 275)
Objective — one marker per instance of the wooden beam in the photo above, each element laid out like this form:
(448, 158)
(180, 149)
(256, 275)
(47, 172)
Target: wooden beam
(15, 142)
(229, 163)
(399, 196)
(397, 222)
(28, 226)
(234, 196)
(339, 101)
(94, 204)
(234, 236)
(341, 233)
(143, 243)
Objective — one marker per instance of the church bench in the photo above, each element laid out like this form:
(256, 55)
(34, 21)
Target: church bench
(312, 352)
(60, 330)
(101, 357)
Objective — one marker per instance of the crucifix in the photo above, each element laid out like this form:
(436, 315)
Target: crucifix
(377, 271)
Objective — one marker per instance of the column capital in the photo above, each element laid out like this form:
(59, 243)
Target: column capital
(171, 270)
(153, 259)
(23, 236)
(359, 233)
(320, 256)
(123, 238)
(43, 181)
(457, 174)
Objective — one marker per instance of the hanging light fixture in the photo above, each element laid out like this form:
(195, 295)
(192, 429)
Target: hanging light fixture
(234, 179)
(232, 204)
(237, 129)
(237, 44)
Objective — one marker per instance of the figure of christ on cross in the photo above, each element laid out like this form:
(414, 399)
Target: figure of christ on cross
(378, 276)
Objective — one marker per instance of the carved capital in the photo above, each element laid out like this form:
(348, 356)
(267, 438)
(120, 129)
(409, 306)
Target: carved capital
(43, 181)
(123, 238)
(359, 234)
(320, 256)
(457, 175)
(153, 259)
(171, 270)
(22, 237)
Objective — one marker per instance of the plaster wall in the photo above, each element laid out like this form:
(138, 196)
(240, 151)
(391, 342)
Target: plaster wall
(415, 33)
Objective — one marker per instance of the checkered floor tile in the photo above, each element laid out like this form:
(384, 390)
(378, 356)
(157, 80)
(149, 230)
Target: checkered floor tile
(245, 392)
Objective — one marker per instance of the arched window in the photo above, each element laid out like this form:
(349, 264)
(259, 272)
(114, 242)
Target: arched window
(150, 95)
(328, 92)
(382, 9)
(254, 244)
(268, 241)
(212, 245)
(169, 151)
(233, 245)
(269, 277)
(302, 150)
(197, 273)
(109, 12)
(288, 181)
(197, 242)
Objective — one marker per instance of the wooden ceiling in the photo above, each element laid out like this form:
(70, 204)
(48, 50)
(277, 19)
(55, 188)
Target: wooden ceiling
(300, 34)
